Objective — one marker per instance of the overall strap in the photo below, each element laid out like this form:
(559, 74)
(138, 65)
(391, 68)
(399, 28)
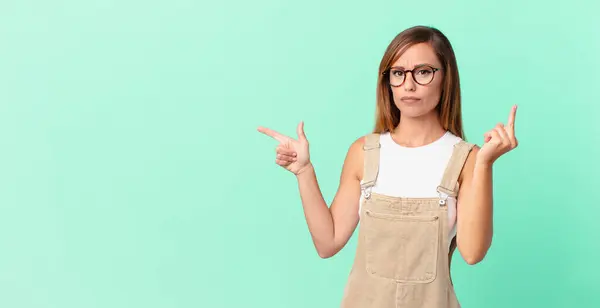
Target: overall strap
(449, 184)
(371, 162)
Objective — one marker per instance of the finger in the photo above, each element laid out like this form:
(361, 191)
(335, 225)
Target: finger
(495, 136)
(511, 117)
(512, 140)
(300, 131)
(273, 134)
(288, 158)
(286, 151)
(487, 137)
(505, 139)
(282, 163)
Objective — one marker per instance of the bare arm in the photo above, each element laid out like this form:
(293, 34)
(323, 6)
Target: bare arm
(331, 228)
(475, 209)
(475, 197)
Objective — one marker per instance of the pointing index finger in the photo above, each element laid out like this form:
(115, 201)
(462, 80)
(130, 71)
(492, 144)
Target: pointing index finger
(511, 117)
(273, 134)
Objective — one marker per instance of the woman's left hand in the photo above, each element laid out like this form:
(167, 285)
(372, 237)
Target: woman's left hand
(499, 141)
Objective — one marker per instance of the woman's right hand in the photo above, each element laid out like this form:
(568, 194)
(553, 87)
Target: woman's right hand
(292, 154)
(330, 226)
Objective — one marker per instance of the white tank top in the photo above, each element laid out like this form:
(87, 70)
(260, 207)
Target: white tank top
(415, 172)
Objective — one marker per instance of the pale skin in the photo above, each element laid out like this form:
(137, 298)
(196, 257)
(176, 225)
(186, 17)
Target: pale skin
(332, 226)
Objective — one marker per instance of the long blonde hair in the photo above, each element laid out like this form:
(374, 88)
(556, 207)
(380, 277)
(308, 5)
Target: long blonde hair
(449, 107)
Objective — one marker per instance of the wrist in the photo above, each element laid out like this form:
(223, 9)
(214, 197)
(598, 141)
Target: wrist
(483, 161)
(304, 169)
(483, 164)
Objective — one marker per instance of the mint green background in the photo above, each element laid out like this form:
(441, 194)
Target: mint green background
(132, 175)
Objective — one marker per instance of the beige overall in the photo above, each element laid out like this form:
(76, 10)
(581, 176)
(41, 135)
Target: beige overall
(402, 257)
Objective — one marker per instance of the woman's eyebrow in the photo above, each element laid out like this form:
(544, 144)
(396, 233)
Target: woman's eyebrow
(418, 65)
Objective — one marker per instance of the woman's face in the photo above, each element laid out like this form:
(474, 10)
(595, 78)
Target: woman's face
(420, 97)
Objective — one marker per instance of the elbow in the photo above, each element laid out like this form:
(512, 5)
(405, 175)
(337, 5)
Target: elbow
(326, 254)
(323, 255)
(474, 253)
(473, 256)
(472, 260)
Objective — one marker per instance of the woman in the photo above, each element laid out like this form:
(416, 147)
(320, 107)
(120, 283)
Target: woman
(417, 187)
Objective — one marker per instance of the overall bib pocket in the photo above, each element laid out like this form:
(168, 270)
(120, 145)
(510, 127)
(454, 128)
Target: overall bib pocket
(402, 247)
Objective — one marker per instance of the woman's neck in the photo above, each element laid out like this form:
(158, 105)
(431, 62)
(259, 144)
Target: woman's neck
(416, 132)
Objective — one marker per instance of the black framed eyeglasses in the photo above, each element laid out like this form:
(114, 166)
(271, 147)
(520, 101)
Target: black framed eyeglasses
(422, 75)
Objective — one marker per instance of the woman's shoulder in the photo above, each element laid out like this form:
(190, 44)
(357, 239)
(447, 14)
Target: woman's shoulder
(452, 139)
(360, 144)
(370, 139)
(353, 164)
